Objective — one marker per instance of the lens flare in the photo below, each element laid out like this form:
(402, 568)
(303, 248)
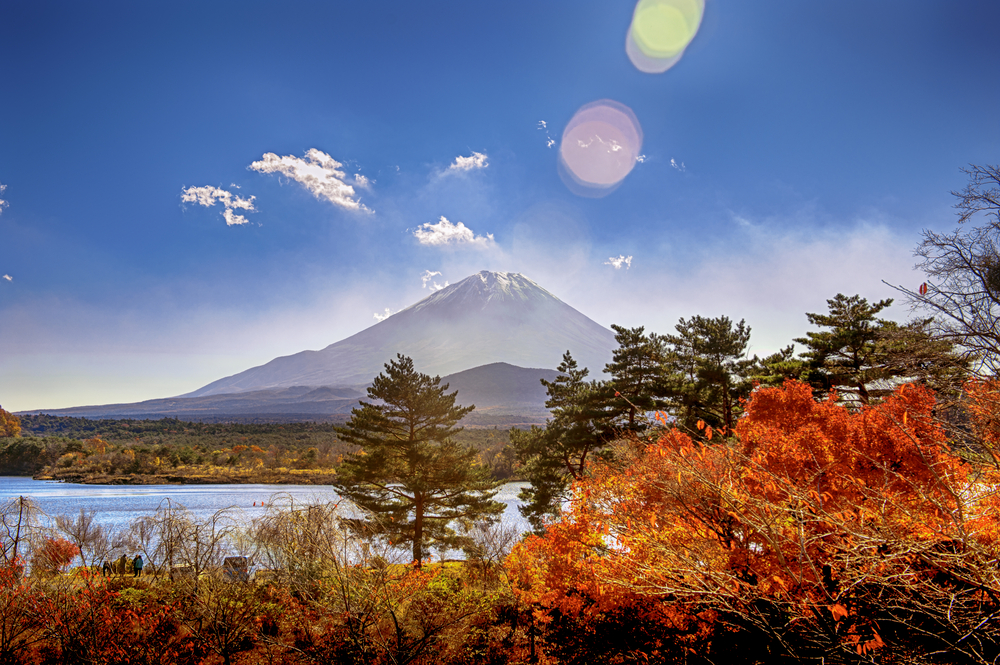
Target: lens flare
(600, 146)
(660, 31)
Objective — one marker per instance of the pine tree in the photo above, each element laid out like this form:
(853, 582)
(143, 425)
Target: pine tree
(409, 474)
(637, 378)
(846, 354)
(553, 456)
(708, 370)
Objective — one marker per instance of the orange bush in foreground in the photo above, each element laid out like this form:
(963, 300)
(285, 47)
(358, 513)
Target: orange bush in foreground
(815, 531)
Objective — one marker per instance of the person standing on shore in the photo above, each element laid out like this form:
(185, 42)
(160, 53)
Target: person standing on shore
(137, 565)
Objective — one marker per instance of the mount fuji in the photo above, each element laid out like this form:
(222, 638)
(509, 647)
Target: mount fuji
(490, 336)
(486, 318)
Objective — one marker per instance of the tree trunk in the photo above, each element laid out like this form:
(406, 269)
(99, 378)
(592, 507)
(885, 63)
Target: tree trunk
(418, 529)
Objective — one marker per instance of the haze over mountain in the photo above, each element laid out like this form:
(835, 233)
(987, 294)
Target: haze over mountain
(486, 318)
(503, 394)
(491, 336)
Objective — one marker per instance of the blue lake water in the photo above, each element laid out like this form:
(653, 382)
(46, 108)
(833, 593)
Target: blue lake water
(118, 505)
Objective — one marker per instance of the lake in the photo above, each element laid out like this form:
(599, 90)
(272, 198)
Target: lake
(118, 505)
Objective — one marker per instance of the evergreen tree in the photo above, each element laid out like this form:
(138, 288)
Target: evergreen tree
(409, 474)
(708, 371)
(637, 382)
(847, 354)
(553, 456)
(775, 369)
(914, 351)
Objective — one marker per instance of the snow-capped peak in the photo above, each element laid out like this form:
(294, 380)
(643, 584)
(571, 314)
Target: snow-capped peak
(485, 287)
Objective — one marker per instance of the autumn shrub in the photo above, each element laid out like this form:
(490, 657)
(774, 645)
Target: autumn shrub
(53, 555)
(86, 622)
(815, 532)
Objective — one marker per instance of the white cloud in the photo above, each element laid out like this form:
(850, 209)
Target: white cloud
(618, 261)
(549, 141)
(362, 181)
(428, 276)
(477, 160)
(446, 233)
(7, 278)
(208, 196)
(3, 203)
(640, 158)
(386, 315)
(680, 167)
(320, 173)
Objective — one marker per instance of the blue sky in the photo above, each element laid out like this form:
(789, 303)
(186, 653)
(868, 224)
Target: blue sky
(796, 151)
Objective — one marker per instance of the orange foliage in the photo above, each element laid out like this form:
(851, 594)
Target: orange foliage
(97, 445)
(55, 554)
(984, 407)
(806, 510)
(10, 425)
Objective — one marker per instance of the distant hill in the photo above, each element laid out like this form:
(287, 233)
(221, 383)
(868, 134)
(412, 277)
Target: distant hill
(504, 396)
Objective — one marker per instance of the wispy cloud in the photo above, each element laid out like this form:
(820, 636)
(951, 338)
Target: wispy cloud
(362, 181)
(618, 261)
(446, 233)
(3, 204)
(7, 278)
(640, 158)
(544, 126)
(386, 315)
(319, 173)
(208, 196)
(428, 276)
(478, 160)
(680, 167)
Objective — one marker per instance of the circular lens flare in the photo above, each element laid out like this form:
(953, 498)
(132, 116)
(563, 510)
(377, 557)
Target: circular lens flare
(599, 147)
(660, 31)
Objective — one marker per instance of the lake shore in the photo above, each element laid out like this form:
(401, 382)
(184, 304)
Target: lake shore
(212, 477)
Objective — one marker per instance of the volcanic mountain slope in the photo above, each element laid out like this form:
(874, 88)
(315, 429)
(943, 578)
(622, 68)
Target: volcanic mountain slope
(487, 318)
(498, 391)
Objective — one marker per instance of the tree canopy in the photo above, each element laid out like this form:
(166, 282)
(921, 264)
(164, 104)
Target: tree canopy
(819, 532)
(415, 482)
(553, 456)
(10, 425)
(845, 354)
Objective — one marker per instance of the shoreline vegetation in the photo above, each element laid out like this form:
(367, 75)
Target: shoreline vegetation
(170, 451)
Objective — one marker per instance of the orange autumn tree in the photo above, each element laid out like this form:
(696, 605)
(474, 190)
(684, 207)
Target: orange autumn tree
(983, 402)
(815, 532)
(10, 425)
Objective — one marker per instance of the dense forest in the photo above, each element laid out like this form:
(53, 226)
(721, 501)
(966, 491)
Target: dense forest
(172, 451)
(698, 506)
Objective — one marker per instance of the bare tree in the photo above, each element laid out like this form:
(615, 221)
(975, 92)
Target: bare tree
(222, 617)
(18, 525)
(92, 539)
(201, 545)
(173, 537)
(962, 291)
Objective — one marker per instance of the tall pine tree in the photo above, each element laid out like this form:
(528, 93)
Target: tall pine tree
(708, 371)
(553, 456)
(637, 384)
(846, 354)
(409, 474)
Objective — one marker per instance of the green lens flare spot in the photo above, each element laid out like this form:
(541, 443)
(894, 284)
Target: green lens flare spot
(661, 31)
(664, 28)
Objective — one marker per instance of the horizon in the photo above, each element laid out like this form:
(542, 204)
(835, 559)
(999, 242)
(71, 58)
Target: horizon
(186, 199)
